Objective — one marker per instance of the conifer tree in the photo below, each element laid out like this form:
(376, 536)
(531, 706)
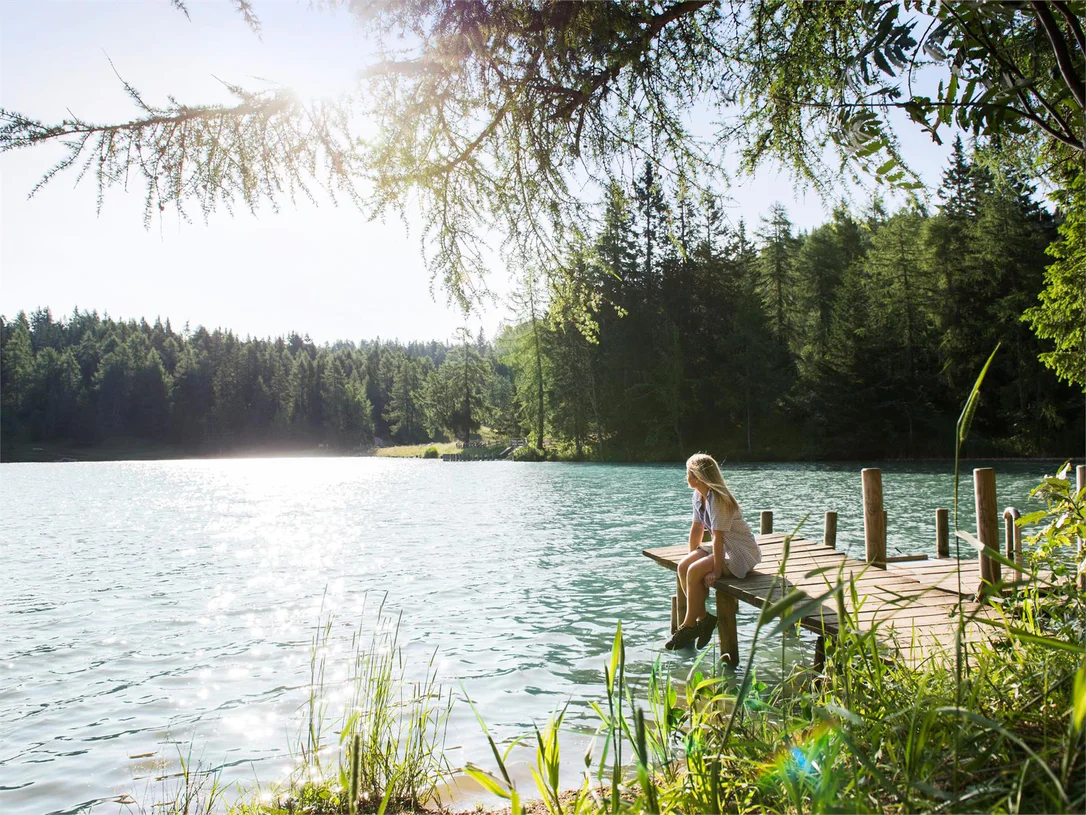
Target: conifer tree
(405, 415)
(776, 267)
(16, 367)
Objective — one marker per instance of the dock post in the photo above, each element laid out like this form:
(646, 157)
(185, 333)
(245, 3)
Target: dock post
(874, 518)
(1080, 485)
(726, 629)
(674, 613)
(984, 491)
(767, 521)
(942, 532)
(1013, 535)
(829, 531)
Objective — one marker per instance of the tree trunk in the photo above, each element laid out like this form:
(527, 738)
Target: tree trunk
(538, 367)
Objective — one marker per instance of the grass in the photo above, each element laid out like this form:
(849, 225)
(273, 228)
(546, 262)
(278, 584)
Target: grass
(389, 749)
(416, 450)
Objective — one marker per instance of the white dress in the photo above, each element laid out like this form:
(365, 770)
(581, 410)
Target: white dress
(741, 552)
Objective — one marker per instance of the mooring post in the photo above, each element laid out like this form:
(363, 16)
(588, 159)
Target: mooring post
(767, 521)
(942, 532)
(728, 633)
(874, 517)
(984, 490)
(1080, 485)
(829, 532)
(1013, 535)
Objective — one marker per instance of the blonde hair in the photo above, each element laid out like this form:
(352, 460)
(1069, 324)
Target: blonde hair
(705, 469)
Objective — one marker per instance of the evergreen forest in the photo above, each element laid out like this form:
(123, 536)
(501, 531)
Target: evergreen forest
(749, 340)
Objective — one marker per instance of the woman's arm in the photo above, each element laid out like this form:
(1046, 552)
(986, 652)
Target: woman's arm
(696, 534)
(718, 553)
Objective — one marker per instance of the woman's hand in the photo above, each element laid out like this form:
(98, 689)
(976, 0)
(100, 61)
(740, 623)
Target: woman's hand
(711, 578)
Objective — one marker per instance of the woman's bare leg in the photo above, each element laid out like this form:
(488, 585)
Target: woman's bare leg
(684, 567)
(696, 593)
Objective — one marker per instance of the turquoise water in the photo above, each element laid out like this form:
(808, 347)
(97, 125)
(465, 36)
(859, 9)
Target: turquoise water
(152, 607)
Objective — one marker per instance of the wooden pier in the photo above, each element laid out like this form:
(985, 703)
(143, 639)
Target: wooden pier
(913, 604)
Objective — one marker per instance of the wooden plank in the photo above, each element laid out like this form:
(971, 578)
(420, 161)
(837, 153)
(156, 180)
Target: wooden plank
(665, 555)
(804, 577)
(778, 540)
(940, 566)
(897, 632)
(868, 610)
(936, 568)
(806, 550)
(949, 577)
(833, 562)
(771, 562)
(774, 549)
(932, 634)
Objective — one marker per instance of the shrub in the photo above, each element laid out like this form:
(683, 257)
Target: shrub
(529, 454)
(430, 452)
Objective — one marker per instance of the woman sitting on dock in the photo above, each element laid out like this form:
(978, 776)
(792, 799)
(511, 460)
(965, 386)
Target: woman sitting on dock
(733, 552)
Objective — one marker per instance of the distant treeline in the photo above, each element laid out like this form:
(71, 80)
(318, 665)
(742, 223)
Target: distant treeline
(669, 331)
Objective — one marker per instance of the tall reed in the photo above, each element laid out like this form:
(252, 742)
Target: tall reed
(389, 748)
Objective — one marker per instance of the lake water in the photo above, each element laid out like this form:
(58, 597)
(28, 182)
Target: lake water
(148, 608)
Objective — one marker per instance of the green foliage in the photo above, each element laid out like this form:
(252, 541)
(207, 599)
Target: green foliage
(455, 395)
(849, 341)
(430, 452)
(88, 379)
(527, 453)
(1061, 316)
(405, 414)
(1053, 602)
(494, 116)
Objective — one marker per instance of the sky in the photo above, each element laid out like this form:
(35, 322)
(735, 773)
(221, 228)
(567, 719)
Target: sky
(320, 270)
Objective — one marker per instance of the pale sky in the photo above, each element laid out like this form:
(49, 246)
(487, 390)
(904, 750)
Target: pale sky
(323, 270)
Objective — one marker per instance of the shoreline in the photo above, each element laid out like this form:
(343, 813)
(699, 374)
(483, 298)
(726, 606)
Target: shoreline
(55, 454)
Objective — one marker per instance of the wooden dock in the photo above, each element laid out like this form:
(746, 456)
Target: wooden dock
(913, 604)
(915, 618)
